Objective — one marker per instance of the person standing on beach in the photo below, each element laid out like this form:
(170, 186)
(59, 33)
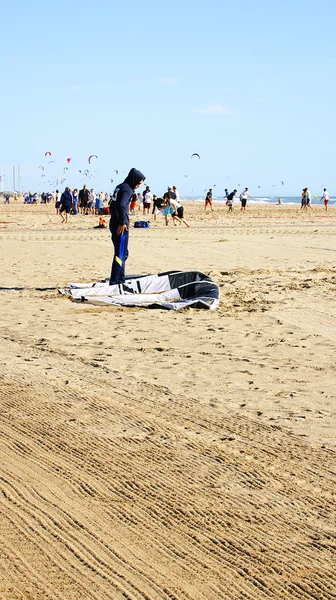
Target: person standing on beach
(119, 223)
(92, 202)
(148, 199)
(325, 197)
(133, 203)
(75, 202)
(243, 199)
(66, 203)
(177, 195)
(57, 202)
(83, 198)
(208, 200)
(171, 193)
(139, 201)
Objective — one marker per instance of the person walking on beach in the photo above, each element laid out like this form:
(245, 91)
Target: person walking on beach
(308, 197)
(243, 199)
(66, 203)
(119, 223)
(304, 199)
(325, 197)
(208, 200)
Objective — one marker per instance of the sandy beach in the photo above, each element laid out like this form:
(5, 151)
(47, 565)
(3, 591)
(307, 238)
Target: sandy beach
(149, 454)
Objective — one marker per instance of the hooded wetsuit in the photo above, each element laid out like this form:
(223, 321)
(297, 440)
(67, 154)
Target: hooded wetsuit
(119, 209)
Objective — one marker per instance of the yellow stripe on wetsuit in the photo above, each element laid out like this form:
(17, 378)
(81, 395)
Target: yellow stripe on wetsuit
(118, 260)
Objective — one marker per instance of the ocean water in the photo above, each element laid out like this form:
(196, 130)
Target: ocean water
(261, 200)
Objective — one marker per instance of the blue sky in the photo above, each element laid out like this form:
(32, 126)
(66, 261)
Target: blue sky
(250, 86)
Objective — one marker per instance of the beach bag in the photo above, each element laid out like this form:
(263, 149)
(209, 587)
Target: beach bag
(142, 224)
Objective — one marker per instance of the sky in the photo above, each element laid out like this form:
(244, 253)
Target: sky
(249, 85)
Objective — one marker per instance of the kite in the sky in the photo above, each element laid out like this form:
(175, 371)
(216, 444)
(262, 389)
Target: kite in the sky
(195, 154)
(115, 171)
(79, 171)
(69, 160)
(41, 167)
(42, 175)
(47, 154)
(186, 176)
(65, 169)
(258, 186)
(273, 185)
(111, 180)
(282, 183)
(51, 161)
(92, 156)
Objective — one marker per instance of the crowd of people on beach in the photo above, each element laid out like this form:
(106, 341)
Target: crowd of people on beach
(229, 197)
(306, 199)
(88, 202)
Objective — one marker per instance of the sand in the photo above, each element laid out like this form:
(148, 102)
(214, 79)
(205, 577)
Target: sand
(146, 454)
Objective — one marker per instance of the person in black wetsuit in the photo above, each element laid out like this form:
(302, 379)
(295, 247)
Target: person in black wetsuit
(119, 223)
(83, 199)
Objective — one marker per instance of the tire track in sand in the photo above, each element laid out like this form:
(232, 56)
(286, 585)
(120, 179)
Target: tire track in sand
(109, 497)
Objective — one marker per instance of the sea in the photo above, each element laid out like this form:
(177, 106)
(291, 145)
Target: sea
(291, 200)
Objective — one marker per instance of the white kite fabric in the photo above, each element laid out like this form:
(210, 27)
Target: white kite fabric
(172, 290)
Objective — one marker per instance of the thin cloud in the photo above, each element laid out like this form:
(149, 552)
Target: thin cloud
(95, 86)
(169, 80)
(215, 109)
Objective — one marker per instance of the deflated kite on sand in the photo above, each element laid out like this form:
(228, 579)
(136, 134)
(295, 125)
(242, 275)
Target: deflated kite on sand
(172, 290)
